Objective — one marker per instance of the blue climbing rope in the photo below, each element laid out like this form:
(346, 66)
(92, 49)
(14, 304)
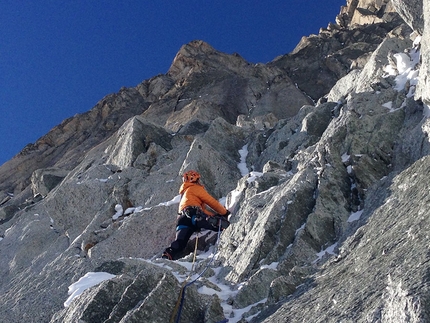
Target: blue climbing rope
(198, 276)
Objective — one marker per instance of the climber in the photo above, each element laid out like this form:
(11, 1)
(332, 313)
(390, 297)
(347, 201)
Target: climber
(193, 214)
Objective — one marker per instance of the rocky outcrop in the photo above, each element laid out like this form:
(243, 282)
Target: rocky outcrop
(136, 139)
(328, 199)
(134, 296)
(211, 84)
(66, 144)
(423, 87)
(412, 12)
(365, 12)
(348, 288)
(319, 61)
(45, 179)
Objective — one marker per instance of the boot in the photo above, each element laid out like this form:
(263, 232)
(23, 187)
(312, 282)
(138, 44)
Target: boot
(166, 255)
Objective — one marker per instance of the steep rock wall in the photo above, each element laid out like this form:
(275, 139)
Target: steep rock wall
(329, 219)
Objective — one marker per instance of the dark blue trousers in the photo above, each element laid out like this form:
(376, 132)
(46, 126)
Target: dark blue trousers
(185, 228)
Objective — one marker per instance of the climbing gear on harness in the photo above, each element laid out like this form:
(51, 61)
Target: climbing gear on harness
(191, 211)
(194, 213)
(180, 227)
(191, 176)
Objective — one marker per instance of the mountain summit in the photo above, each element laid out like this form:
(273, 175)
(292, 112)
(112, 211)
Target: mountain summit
(322, 157)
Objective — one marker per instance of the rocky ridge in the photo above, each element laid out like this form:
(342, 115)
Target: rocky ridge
(329, 221)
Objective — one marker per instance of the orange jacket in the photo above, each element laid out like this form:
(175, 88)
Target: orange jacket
(194, 194)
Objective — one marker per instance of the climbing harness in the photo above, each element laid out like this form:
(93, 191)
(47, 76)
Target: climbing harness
(181, 298)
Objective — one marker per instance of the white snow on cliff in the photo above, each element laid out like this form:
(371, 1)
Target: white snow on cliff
(406, 73)
(88, 280)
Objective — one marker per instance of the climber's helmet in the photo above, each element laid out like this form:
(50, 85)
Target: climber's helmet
(190, 176)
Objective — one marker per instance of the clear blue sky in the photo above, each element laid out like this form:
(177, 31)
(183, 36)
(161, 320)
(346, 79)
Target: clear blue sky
(59, 58)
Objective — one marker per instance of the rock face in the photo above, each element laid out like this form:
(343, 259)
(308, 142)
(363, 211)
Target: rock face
(348, 289)
(423, 86)
(326, 180)
(319, 61)
(412, 12)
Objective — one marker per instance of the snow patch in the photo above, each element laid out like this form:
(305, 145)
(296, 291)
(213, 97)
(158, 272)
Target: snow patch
(273, 265)
(253, 176)
(388, 105)
(355, 216)
(328, 250)
(242, 165)
(119, 212)
(405, 71)
(345, 157)
(88, 280)
(234, 200)
(174, 200)
(300, 229)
